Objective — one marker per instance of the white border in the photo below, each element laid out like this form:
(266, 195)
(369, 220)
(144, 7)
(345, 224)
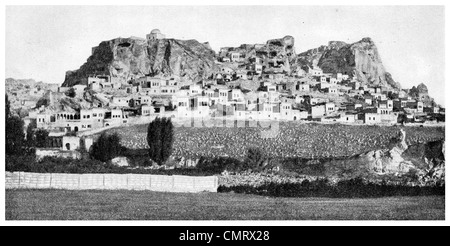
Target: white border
(207, 223)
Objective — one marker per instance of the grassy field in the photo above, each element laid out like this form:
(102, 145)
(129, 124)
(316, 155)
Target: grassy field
(147, 205)
(294, 139)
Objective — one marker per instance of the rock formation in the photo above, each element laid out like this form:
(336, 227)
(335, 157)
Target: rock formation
(127, 58)
(280, 50)
(54, 101)
(426, 159)
(421, 93)
(360, 59)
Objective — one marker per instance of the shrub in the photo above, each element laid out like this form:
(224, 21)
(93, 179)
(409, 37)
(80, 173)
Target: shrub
(30, 134)
(254, 159)
(41, 137)
(106, 147)
(71, 93)
(14, 135)
(218, 165)
(13, 131)
(160, 137)
(351, 188)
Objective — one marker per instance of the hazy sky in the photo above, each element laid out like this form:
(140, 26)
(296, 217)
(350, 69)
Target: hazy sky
(43, 42)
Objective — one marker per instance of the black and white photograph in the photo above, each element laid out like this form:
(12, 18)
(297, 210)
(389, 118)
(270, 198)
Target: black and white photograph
(283, 113)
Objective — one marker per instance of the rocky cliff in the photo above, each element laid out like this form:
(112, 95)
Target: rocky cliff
(126, 58)
(427, 160)
(423, 162)
(421, 93)
(280, 50)
(360, 59)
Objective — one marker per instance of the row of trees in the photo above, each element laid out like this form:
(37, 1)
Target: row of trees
(160, 137)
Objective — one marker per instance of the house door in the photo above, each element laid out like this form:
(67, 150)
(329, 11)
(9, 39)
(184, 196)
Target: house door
(68, 146)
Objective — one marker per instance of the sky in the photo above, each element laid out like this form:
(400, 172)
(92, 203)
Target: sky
(43, 42)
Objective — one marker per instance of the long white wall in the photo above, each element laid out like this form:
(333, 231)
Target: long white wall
(175, 183)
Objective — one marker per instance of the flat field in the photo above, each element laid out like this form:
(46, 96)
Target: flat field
(149, 205)
(291, 139)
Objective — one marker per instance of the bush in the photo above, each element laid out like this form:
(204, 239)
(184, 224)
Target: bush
(218, 165)
(30, 134)
(41, 137)
(352, 188)
(14, 135)
(160, 137)
(71, 93)
(106, 147)
(254, 159)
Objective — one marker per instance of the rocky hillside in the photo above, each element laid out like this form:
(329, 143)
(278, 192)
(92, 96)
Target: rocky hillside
(14, 85)
(56, 102)
(421, 93)
(360, 59)
(280, 50)
(25, 90)
(126, 58)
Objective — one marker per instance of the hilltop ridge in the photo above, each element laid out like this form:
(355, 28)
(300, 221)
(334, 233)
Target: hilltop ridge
(128, 58)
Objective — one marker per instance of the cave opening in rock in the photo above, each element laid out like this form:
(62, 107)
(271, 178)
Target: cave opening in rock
(276, 43)
(126, 44)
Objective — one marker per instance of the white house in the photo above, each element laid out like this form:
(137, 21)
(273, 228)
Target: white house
(317, 111)
(372, 118)
(330, 108)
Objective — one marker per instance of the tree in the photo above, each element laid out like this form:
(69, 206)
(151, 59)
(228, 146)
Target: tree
(106, 147)
(14, 135)
(254, 159)
(402, 118)
(71, 93)
(41, 137)
(8, 107)
(31, 139)
(160, 139)
(13, 131)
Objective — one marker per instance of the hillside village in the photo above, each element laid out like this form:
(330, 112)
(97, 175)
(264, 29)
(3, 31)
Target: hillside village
(252, 82)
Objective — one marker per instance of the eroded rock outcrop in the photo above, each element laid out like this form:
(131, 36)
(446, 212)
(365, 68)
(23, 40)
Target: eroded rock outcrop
(280, 50)
(127, 58)
(360, 59)
(426, 160)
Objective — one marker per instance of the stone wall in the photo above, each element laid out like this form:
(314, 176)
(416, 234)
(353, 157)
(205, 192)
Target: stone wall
(175, 183)
(43, 152)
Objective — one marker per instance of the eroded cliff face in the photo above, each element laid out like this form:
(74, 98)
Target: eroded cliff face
(280, 50)
(423, 162)
(127, 58)
(360, 59)
(427, 160)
